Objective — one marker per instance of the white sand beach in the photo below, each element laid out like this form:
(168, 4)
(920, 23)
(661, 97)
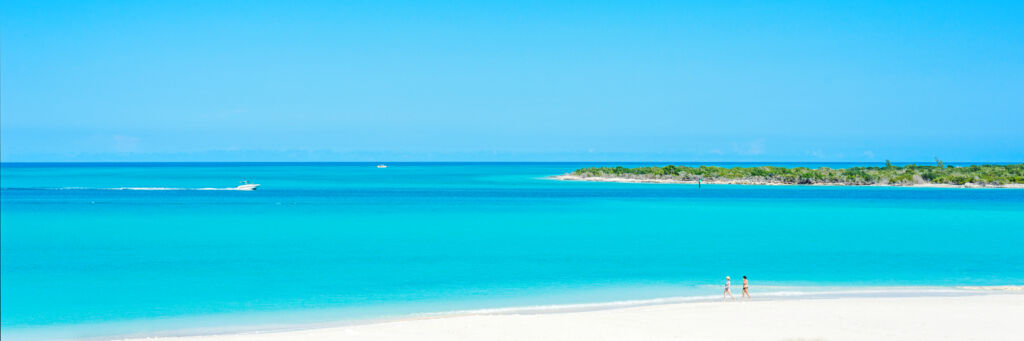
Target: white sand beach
(984, 315)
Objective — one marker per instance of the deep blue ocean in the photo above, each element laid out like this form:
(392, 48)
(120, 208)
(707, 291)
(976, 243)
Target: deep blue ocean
(82, 257)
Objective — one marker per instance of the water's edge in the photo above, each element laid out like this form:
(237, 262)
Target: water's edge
(789, 293)
(774, 293)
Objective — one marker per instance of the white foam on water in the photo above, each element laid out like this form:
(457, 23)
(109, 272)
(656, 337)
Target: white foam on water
(771, 295)
(147, 189)
(176, 189)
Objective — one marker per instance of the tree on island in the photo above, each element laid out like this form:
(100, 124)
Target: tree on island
(995, 175)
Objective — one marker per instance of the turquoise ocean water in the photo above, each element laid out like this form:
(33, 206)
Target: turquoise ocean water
(319, 242)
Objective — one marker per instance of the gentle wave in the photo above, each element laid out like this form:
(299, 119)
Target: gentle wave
(994, 287)
(789, 294)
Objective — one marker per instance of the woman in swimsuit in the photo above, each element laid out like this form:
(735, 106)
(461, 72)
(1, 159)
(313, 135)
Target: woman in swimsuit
(745, 286)
(727, 291)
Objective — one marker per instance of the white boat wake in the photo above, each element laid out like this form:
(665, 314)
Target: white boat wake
(238, 188)
(245, 186)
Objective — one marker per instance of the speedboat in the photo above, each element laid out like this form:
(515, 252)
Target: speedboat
(246, 186)
(382, 166)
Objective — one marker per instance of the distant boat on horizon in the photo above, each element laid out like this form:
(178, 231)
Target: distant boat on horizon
(382, 166)
(246, 186)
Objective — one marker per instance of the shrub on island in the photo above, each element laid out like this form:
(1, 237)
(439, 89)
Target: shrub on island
(889, 174)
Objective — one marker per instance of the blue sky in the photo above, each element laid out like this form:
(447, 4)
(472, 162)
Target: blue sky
(511, 81)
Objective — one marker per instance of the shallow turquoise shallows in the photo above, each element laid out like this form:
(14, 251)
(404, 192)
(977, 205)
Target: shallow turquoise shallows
(327, 242)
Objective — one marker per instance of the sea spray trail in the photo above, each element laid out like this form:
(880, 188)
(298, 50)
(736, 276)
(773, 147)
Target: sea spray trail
(174, 189)
(328, 242)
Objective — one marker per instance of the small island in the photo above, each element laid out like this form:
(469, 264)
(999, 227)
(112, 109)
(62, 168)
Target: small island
(938, 175)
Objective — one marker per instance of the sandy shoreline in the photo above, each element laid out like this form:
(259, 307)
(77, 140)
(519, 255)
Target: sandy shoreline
(983, 313)
(572, 177)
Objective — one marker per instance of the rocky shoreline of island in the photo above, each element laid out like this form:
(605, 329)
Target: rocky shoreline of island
(571, 177)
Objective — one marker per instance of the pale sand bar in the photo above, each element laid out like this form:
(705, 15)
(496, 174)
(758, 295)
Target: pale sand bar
(986, 316)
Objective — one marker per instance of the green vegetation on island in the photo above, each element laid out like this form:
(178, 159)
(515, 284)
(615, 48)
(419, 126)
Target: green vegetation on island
(982, 175)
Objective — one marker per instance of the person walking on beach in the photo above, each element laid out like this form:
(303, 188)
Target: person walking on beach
(746, 285)
(727, 290)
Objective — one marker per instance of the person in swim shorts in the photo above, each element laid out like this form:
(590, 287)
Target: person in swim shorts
(727, 290)
(746, 285)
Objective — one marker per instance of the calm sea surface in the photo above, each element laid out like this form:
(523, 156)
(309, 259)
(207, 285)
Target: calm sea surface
(326, 242)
